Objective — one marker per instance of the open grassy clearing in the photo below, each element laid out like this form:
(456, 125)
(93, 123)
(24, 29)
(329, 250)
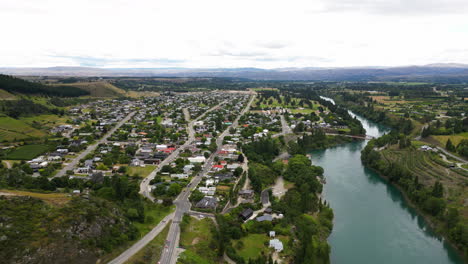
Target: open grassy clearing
(196, 237)
(456, 138)
(151, 252)
(46, 122)
(4, 95)
(50, 198)
(141, 171)
(27, 152)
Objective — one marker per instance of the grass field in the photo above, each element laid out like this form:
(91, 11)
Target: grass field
(253, 246)
(152, 251)
(11, 129)
(197, 237)
(45, 121)
(27, 152)
(454, 138)
(141, 171)
(50, 198)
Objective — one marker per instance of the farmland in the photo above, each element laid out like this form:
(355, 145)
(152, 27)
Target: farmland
(27, 152)
(430, 167)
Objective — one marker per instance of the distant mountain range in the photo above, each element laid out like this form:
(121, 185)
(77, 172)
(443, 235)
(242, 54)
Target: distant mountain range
(433, 72)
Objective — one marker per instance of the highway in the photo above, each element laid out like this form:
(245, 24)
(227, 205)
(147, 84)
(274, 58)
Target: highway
(71, 165)
(170, 252)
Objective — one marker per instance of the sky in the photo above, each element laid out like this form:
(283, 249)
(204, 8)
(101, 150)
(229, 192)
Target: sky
(232, 34)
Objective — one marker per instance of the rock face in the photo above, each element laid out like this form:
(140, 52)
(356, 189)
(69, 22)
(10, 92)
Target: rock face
(32, 231)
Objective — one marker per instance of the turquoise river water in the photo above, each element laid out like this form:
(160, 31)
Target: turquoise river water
(373, 223)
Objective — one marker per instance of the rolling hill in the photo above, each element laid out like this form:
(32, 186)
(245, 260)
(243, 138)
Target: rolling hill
(97, 89)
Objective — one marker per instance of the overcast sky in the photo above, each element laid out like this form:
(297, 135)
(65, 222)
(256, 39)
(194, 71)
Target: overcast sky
(240, 33)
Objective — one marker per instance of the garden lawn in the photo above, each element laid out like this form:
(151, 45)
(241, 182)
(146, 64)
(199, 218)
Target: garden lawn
(254, 245)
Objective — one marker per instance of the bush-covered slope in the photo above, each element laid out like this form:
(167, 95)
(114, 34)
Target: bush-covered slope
(32, 231)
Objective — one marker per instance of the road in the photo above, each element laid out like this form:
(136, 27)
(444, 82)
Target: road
(451, 155)
(71, 165)
(127, 254)
(285, 128)
(144, 189)
(170, 252)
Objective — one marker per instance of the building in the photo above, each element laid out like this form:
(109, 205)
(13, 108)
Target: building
(247, 194)
(198, 159)
(179, 176)
(246, 214)
(265, 217)
(276, 244)
(208, 202)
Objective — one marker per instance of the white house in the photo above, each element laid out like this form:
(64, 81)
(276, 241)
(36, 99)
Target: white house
(276, 244)
(161, 147)
(179, 176)
(198, 159)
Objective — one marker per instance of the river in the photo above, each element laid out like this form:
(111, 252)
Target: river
(373, 223)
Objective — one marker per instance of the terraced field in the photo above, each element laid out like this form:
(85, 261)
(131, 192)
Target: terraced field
(430, 167)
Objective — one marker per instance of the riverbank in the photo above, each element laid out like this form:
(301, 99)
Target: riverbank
(432, 222)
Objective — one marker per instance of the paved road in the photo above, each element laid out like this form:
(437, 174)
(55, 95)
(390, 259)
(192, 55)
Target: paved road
(285, 128)
(71, 165)
(170, 252)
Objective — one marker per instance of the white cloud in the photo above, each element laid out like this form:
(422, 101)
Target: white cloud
(213, 33)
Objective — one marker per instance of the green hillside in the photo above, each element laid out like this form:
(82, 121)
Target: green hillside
(12, 129)
(97, 89)
(19, 86)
